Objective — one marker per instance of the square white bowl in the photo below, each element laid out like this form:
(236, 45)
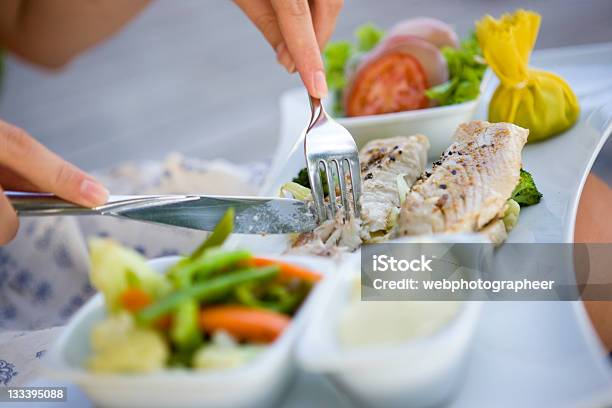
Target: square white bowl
(437, 123)
(417, 372)
(256, 384)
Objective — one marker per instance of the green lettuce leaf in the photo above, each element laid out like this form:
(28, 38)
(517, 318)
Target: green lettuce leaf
(368, 36)
(338, 54)
(466, 68)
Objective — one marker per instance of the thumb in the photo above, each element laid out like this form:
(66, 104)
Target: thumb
(9, 223)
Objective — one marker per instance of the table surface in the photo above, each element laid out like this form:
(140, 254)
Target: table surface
(195, 77)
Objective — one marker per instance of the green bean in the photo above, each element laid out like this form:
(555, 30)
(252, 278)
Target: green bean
(207, 290)
(244, 294)
(287, 302)
(217, 237)
(211, 261)
(275, 297)
(184, 331)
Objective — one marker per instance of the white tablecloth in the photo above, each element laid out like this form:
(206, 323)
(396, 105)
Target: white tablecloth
(43, 272)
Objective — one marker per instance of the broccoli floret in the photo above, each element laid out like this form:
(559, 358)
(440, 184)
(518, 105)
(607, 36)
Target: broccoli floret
(526, 193)
(302, 179)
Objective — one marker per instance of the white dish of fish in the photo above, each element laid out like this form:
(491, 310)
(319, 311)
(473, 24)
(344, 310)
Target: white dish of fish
(559, 167)
(468, 190)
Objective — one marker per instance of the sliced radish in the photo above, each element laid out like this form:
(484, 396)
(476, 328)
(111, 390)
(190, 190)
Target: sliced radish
(429, 29)
(430, 58)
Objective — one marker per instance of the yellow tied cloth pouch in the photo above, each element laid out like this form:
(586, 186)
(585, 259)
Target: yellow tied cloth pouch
(537, 100)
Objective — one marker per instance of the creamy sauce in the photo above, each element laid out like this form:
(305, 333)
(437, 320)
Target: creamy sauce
(390, 322)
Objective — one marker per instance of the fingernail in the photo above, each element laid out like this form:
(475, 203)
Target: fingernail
(283, 58)
(320, 84)
(93, 192)
(291, 67)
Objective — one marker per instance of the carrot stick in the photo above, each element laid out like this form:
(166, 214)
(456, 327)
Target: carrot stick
(287, 270)
(244, 323)
(135, 299)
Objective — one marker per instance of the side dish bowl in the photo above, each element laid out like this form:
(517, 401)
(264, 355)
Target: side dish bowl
(416, 372)
(437, 123)
(256, 384)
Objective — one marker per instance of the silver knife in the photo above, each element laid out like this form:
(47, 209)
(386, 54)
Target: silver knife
(254, 215)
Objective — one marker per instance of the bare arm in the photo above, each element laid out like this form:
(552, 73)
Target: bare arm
(52, 32)
(593, 224)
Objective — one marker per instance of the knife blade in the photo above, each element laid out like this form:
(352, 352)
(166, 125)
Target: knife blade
(254, 215)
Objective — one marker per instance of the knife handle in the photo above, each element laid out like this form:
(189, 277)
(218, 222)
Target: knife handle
(31, 204)
(40, 204)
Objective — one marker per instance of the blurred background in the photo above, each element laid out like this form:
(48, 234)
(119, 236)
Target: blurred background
(195, 76)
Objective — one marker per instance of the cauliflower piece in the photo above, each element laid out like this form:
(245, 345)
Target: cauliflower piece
(119, 346)
(225, 352)
(511, 214)
(114, 268)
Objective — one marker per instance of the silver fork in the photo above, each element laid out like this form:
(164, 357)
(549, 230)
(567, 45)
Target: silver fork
(330, 149)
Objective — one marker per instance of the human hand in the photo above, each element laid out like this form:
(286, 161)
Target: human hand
(26, 165)
(297, 30)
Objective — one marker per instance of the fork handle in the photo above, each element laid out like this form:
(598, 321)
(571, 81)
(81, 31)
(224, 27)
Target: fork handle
(316, 108)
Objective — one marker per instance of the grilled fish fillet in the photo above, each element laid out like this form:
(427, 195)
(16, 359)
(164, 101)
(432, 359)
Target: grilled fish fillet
(468, 187)
(382, 161)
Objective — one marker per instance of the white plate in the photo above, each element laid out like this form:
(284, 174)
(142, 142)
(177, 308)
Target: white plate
(530, 353)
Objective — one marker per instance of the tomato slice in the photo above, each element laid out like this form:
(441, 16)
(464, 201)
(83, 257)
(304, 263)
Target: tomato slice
(393, 82)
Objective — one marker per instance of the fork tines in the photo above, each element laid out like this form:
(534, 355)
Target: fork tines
(330, 151)
(335, 172)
